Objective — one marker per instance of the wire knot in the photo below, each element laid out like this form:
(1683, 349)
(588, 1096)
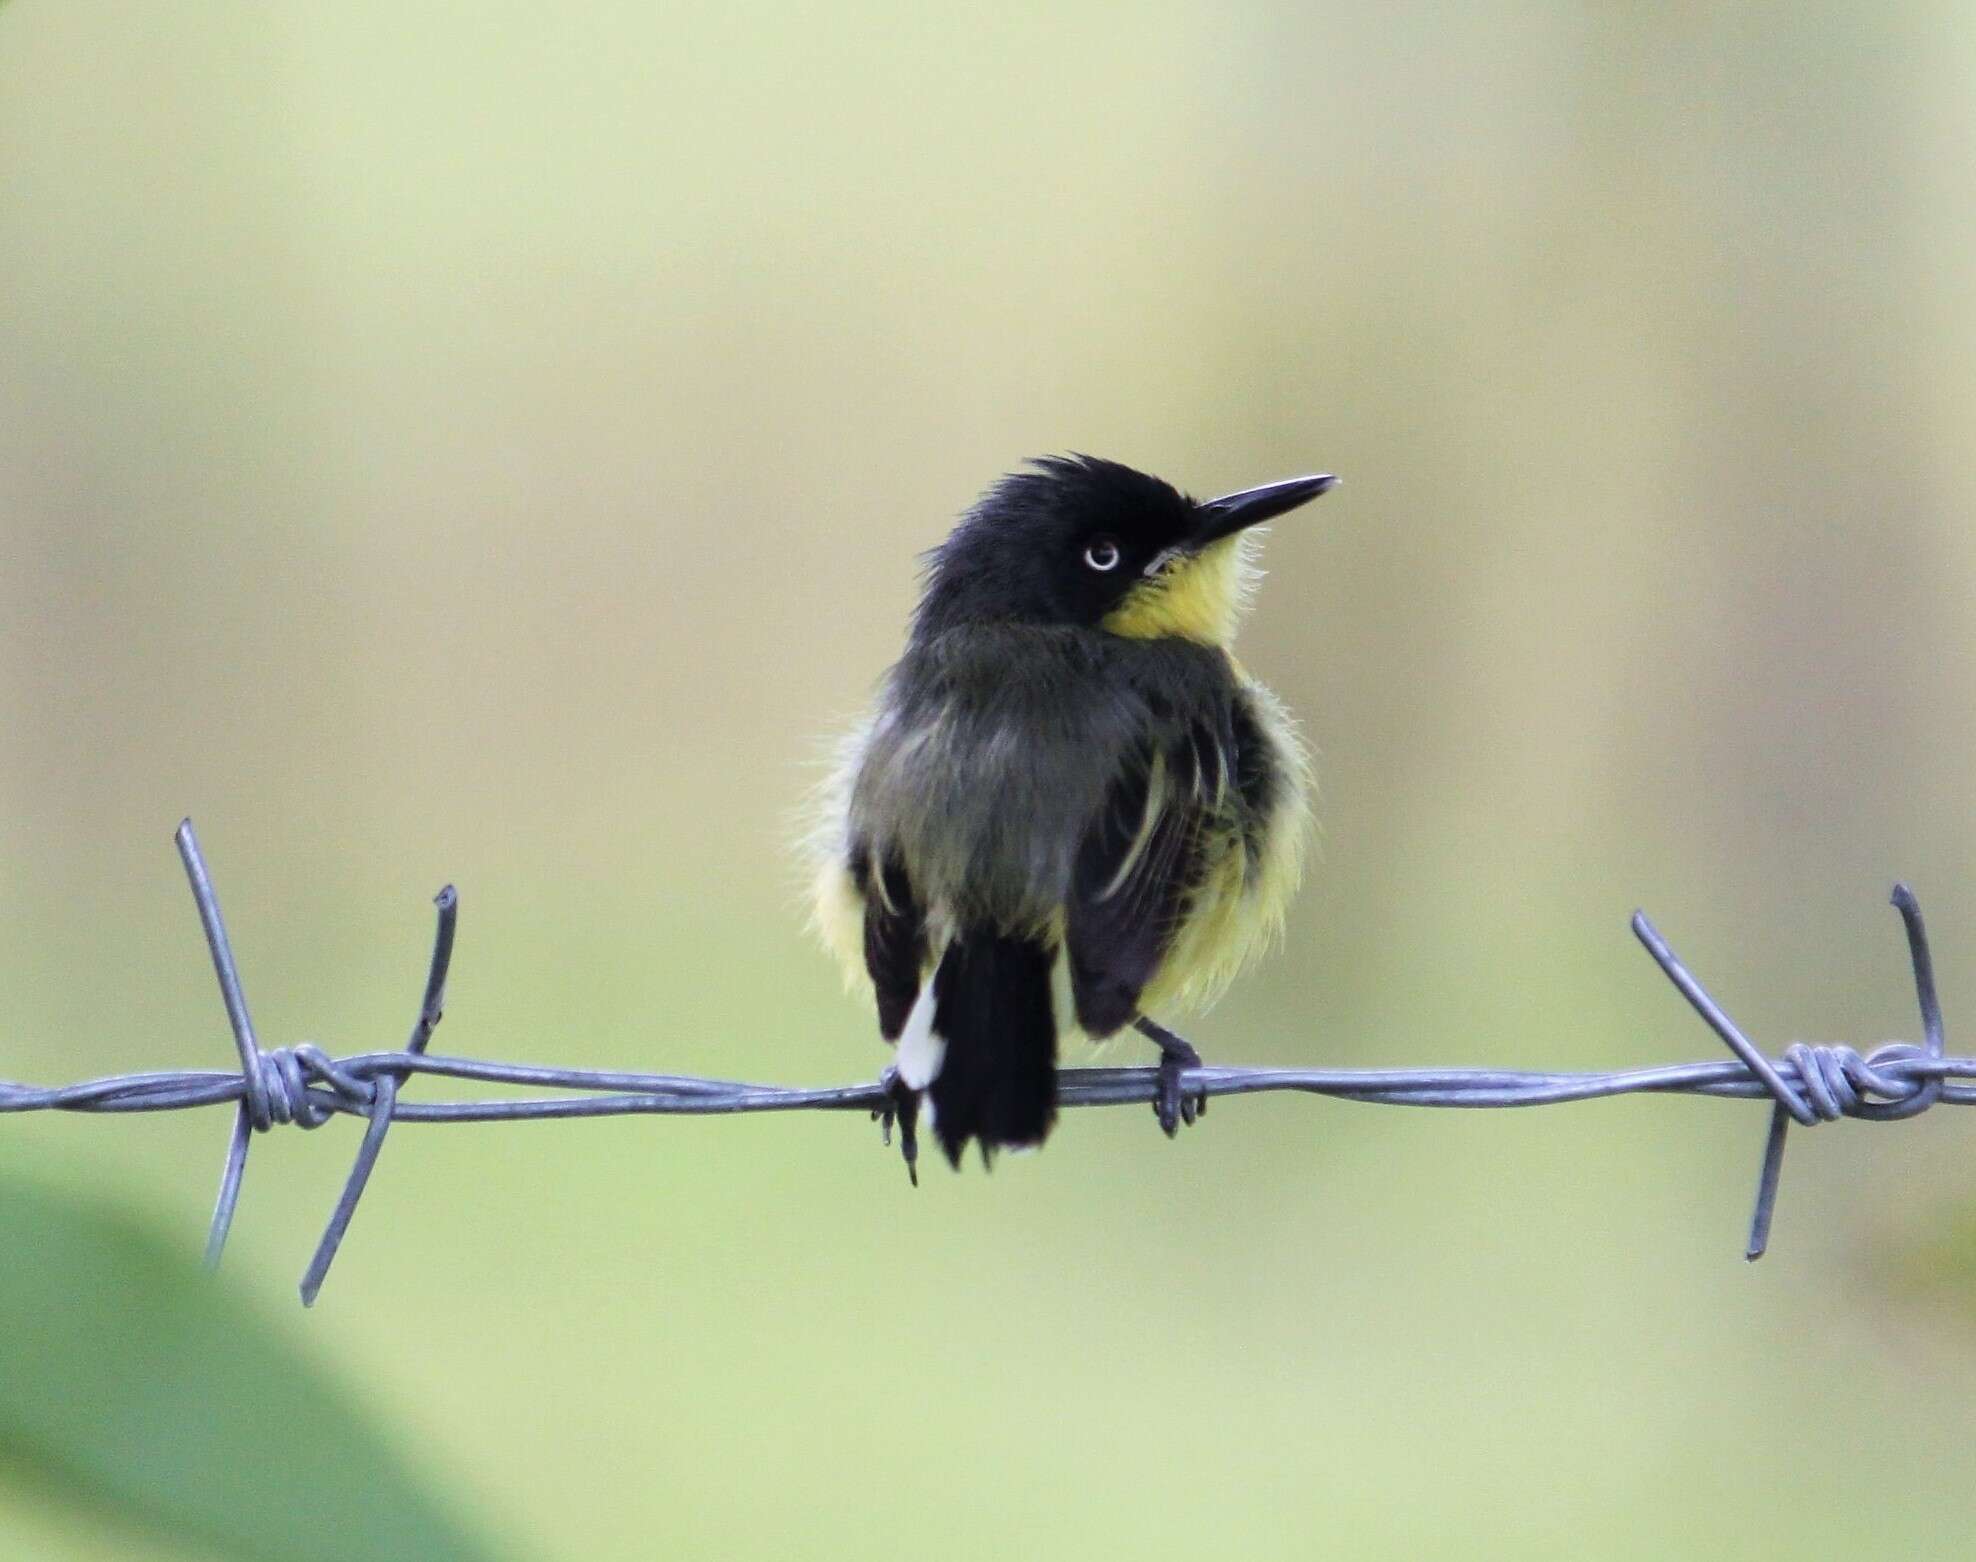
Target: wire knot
(1895, 1081)
(1837, 1082)
(278, 1087)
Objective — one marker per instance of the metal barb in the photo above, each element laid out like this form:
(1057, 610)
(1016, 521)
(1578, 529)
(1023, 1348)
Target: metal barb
(384, 1097)
(1896, 1081)
(1767, 1178)
(305, 1086)
(1923, 962)
(1718, 1021)
(229, 1196)
(1789, 1103)
(253, 1111)
(432, 1007)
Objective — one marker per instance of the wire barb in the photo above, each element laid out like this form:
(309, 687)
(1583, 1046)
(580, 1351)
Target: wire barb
(303, 1085)
(1831, 1082)
(384, 1098)
(254, 1110)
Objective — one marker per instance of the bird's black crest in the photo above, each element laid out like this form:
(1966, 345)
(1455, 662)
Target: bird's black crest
(1017, 556)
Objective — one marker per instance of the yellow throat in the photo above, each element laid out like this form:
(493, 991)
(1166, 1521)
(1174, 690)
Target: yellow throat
(1198, 598)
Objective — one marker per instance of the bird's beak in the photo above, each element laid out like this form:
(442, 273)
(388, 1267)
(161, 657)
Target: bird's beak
(1231, 513)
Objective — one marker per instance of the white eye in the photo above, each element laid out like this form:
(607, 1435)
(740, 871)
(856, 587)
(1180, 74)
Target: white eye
(1102, 554)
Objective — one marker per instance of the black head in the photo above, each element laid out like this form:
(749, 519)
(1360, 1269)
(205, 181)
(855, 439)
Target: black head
(1076, 540)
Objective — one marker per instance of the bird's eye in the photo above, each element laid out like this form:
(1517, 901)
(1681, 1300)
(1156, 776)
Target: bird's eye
(1102, 554)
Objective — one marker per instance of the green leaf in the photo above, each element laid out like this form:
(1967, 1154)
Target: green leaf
(138, 1387)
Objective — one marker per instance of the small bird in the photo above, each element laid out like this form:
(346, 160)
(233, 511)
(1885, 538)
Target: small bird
(1070, 807)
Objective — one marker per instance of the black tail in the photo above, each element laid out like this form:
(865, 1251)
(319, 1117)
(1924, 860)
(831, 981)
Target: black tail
(998, 1080)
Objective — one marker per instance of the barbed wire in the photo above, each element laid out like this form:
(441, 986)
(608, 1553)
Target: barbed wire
(304, 1086)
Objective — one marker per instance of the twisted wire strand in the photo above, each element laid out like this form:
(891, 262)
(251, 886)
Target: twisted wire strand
(304, 1086)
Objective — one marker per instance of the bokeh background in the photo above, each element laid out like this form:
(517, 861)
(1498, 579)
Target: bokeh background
(491, 443)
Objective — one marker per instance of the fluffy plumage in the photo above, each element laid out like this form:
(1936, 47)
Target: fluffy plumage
(1065, 763)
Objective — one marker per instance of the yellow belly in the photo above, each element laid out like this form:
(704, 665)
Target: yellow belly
(1237, 913)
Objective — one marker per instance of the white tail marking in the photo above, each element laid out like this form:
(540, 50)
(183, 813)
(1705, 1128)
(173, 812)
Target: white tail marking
(921, 1049)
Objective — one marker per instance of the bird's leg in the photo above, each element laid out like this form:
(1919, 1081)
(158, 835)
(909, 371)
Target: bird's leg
(904, 1107)
(1177, 1055)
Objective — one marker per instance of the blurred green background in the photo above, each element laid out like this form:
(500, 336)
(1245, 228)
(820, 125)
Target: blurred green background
(492, 442)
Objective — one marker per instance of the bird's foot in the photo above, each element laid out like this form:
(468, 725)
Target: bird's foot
(901, 1106)
(1177, 1055)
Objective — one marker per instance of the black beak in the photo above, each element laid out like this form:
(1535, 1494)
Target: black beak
(1231, 513)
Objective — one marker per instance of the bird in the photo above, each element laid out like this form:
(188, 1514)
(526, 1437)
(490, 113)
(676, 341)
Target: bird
(1070, 808)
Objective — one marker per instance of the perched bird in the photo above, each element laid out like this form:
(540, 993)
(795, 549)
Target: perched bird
(1070, 806)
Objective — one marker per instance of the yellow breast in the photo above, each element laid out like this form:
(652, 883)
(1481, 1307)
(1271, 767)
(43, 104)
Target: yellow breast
(1238, 910)
(1236, 915)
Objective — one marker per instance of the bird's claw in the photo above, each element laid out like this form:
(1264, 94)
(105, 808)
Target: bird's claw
(1170, 1105)
(902, 1106)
